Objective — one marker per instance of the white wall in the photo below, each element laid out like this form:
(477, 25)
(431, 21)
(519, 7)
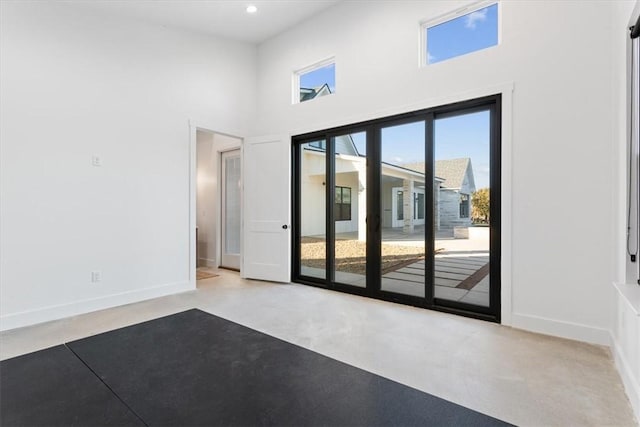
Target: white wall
(561, 263)
(75, 85)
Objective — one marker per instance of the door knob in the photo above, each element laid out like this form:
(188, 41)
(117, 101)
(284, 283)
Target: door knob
(284, 227)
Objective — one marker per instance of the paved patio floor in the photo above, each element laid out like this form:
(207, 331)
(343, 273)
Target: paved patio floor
(462, 278)
(461, 267)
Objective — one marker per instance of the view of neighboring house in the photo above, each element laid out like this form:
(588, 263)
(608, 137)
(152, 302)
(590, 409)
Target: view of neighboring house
(310, 93)
(453, 192)
(403, 188)
(403, 191)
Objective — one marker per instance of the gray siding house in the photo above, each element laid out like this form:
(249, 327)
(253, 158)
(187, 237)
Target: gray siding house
(455, 192)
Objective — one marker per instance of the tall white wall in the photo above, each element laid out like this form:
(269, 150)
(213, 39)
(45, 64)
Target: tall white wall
(560, 142)
(76, 85)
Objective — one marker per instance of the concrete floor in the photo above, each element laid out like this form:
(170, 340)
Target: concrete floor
(520, 377)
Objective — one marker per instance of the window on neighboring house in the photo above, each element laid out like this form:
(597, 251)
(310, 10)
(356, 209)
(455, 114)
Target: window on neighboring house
(399, 205)
(418, 206)
(464, 206)
(468, 30)
(342, 205)
(315, 81)
(319, 144)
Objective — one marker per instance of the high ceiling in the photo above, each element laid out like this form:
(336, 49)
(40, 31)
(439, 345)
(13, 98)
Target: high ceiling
(224, 18)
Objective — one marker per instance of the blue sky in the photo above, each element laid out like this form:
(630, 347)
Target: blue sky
(403, 143)
(468, 33)
(466, 135)
(319, 77)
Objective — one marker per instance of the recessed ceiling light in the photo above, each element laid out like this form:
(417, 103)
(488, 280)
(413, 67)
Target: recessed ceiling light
(251, 9)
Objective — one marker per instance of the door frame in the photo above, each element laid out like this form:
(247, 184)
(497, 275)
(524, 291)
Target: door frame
(492, 102)
(194, 127)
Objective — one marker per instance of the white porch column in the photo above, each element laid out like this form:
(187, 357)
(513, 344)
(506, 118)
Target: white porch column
(436, 205)
(362, 203)
(407, 205)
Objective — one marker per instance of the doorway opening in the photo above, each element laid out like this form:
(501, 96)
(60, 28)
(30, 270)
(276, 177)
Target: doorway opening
(218, 171)
(404, 208)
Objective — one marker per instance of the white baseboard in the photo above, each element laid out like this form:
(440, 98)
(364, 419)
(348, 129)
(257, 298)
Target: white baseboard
(205, 262)
(559, 328)
(46, 314)
(631, 385)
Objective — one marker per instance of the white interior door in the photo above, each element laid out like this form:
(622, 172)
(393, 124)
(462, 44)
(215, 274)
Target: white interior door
(266, 206)
(231, 214)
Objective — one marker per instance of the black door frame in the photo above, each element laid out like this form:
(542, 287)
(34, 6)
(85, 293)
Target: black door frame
(374, 173)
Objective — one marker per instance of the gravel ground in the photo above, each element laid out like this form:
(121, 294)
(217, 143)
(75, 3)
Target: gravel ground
(350, 255)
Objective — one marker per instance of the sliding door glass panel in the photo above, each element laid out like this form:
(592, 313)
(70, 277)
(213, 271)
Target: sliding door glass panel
(461, 208)
(350, 209)
(402, 222)
(313, 178)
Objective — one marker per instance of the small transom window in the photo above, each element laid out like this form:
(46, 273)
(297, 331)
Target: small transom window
(467, 30)
(314, 81)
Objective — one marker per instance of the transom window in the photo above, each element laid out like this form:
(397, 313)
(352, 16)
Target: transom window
(467, 30)
(314, 81)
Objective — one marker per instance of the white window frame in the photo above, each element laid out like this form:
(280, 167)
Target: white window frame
(450, 16)
(295, 92)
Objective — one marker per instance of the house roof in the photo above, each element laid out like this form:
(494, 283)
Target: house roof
(451, 171)
(307, 93)
(311, 93)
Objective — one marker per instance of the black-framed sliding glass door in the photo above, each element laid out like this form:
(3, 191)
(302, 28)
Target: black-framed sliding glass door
(402, 148)
(465, 191)
(311, 219)
(348, 191)
(404, 208)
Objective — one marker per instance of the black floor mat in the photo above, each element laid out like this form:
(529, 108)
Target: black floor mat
(53, 387)
(193, 369)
